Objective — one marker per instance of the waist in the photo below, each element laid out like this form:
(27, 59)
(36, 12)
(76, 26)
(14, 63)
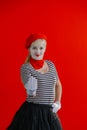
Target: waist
(39, 104)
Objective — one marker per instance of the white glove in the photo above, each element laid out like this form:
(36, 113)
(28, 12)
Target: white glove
(56, 106)
(31, 86)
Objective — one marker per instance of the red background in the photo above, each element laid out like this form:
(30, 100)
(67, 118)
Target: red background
(65, 24)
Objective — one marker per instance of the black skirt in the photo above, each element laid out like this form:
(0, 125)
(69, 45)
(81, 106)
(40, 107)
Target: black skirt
(32, 116)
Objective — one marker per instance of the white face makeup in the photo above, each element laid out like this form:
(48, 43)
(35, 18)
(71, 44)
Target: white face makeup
(37, 49)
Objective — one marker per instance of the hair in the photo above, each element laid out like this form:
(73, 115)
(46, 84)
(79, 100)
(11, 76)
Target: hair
(27, 59)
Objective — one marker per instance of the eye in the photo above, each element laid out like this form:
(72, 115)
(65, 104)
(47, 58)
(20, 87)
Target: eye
(41, 48)
(34, 48)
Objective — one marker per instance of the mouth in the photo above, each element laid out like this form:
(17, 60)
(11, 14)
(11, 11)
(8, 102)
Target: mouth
(37, 55)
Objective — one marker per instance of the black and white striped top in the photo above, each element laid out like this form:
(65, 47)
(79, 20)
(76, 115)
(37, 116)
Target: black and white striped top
(45, 93)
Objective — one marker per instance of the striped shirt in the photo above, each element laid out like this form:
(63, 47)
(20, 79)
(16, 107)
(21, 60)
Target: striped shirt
(45, 93)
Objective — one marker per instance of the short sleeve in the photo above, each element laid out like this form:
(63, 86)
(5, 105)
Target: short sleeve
(24, 73)
(56, 72)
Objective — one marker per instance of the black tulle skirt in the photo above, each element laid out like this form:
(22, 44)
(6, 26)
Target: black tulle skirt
(32, 116)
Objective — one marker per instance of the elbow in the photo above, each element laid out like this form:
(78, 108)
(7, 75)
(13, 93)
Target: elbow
(58, 84)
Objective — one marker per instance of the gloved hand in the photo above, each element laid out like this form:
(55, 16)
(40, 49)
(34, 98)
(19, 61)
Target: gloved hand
(56, 106)
(31, 86)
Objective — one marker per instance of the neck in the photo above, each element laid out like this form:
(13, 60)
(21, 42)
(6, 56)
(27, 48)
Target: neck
(37, 64)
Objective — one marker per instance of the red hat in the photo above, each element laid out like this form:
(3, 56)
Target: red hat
(33, 37)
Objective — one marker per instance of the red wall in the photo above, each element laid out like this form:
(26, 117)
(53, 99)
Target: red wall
(65, 24)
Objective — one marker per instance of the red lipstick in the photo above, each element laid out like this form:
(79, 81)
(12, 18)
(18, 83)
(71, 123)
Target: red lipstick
(37, 55)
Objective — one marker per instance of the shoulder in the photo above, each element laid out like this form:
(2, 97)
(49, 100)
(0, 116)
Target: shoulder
(24, 66)
(51, 62)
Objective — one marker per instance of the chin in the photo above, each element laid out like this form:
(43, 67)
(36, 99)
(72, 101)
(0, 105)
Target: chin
(38, 58)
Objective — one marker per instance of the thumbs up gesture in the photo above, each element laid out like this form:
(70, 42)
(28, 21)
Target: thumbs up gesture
(31, 86)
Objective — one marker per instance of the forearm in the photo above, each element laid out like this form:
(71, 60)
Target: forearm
(58, 92)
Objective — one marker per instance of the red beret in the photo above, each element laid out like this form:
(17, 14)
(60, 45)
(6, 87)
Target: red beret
(33, 37)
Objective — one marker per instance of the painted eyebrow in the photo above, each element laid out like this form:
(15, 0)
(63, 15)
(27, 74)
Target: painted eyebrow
(34, 47)
(40, 46)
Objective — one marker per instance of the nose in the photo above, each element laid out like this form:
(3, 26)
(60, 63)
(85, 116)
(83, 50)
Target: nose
(38, 51)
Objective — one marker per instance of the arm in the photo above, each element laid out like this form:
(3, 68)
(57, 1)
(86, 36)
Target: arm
(58, 87)
(58, 91)
(29, 82)
(24, 74)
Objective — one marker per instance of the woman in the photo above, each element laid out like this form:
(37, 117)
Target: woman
(43, 88)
